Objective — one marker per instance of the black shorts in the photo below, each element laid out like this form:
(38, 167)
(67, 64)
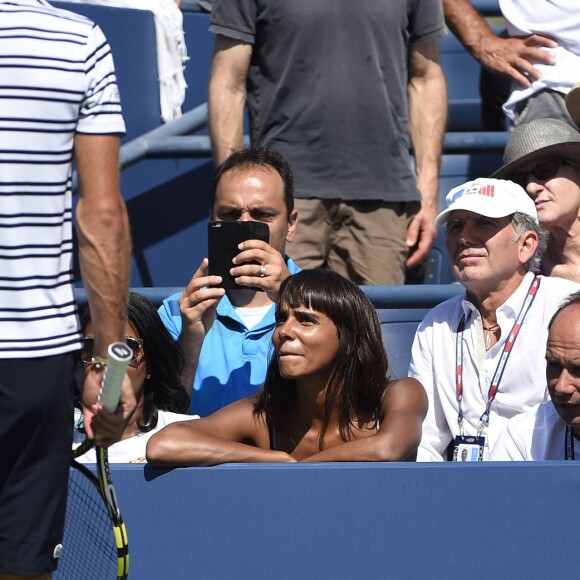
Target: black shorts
(36, 426)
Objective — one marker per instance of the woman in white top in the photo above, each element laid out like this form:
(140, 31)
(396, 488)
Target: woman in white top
(154, 371)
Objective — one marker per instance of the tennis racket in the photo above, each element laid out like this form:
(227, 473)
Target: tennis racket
(95, 545)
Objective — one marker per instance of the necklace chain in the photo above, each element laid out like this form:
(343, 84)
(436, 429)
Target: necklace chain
(486, 337)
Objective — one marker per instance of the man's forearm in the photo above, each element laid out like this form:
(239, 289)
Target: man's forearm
(514, 57)
(103, 235)
(105, 255)
(191, 351)
(227, 96)
(467, 25)
(428, 116)
(226, 102)
(226, 122)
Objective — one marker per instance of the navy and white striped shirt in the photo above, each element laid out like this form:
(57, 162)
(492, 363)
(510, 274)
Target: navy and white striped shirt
(56, 78)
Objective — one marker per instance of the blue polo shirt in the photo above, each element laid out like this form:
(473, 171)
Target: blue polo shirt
(233, 359)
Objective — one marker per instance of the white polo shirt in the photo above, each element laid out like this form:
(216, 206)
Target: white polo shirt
(523, 384)
(537, 435)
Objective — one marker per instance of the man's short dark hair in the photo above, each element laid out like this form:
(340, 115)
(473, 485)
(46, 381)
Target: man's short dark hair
(258, 157)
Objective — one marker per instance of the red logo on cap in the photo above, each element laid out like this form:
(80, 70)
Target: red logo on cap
(487, 190)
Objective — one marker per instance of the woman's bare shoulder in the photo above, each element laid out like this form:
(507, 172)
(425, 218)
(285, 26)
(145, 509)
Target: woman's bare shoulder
(405, 383)
(406, 392)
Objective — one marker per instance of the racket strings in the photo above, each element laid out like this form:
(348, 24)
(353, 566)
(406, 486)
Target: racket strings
(89, 551)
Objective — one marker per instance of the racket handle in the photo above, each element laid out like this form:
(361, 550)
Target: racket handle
(119, 357)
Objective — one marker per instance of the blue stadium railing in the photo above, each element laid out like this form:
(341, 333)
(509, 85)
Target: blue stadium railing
(382, 297)
(400, 310)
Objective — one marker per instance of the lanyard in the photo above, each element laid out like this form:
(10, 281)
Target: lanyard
(497, 376)
(569, 452)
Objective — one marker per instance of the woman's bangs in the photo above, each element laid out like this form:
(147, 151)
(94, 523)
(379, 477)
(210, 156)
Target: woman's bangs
(308, 293)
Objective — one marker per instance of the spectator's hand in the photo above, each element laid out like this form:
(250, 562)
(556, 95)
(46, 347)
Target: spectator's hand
(515, 56)
(420, 236)
(97, 420)
(198, 305)
(270, 261)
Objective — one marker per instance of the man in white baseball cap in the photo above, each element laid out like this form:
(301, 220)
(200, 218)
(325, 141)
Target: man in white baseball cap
(492, 198)
(480, 356)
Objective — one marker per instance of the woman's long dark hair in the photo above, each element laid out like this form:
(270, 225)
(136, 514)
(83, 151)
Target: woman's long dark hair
(163, 389)
(359, 378)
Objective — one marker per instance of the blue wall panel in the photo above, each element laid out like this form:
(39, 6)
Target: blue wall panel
(352, 521)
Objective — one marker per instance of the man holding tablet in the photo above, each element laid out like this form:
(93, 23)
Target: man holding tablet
(226, 333)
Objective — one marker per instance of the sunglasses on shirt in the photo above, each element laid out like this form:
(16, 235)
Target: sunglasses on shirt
(542, 172)
(135, 344)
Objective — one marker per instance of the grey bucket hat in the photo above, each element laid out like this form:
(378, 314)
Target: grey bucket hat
(539, 139)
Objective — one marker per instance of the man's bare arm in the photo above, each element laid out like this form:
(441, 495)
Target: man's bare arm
(427, 119)
(103, 232)
(105, 254)
(197, 304)
(510, 56)
(227, 95)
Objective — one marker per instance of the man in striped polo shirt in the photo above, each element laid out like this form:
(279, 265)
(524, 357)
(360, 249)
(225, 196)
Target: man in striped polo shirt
(58, 98)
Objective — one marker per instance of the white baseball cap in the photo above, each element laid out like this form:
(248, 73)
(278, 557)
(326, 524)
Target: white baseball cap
(489, 197)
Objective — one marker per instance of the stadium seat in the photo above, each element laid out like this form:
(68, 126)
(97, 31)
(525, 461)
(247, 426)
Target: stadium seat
(135, 58)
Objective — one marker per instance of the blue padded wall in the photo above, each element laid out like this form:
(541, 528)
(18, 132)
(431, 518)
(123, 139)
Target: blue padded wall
(462, 77)
(352, 521)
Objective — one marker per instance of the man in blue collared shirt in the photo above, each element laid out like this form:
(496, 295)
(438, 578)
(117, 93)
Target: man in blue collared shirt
(226, 334)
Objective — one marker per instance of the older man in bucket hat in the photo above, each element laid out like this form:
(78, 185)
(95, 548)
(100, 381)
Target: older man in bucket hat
(543, 156)
(480, 356)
